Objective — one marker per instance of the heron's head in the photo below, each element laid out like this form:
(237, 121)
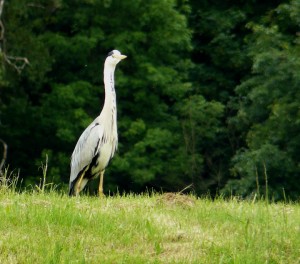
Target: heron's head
(114, 57)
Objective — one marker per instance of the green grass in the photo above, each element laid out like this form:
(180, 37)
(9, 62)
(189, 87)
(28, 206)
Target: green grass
(53, 228)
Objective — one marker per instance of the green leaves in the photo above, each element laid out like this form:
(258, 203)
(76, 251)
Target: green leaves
(271, 107)
(209, 91)
(264, 168)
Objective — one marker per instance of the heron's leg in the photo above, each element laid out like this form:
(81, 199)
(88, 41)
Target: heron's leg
(78, 185)
(101, 184)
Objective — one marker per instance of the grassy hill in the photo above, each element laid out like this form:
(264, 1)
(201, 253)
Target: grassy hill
(168, 228)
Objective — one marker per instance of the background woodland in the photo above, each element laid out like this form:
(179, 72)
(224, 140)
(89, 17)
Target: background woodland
(209, 94)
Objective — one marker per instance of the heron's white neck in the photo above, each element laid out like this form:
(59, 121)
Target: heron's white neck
(109, 85)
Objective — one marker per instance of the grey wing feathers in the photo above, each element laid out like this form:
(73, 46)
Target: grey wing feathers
(86, 148)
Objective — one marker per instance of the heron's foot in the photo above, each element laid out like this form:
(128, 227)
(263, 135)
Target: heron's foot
(101, 194)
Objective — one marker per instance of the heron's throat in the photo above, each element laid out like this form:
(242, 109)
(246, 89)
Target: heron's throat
(108, 115)
(109, 85)
(109, 79)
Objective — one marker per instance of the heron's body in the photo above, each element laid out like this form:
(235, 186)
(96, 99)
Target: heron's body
(98, 143)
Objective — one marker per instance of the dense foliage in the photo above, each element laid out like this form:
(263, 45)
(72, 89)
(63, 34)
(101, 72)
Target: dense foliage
(209, 94)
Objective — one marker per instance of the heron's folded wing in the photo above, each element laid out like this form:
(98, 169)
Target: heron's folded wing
(86, 148)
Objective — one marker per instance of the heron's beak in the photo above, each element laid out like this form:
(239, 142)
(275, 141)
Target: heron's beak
(121, 57)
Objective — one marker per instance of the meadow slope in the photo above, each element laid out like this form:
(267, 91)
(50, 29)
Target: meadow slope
(169, 228)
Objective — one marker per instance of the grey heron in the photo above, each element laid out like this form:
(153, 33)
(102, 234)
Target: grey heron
(98, 142)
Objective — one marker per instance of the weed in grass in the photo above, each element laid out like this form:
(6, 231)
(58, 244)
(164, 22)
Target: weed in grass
(8, 180)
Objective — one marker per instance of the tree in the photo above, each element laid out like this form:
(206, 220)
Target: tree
(270, 107)
(66, 43)
(201, 96)
(222, 62)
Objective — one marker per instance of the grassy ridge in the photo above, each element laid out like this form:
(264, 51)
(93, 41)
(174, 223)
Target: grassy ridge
(53, 228)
